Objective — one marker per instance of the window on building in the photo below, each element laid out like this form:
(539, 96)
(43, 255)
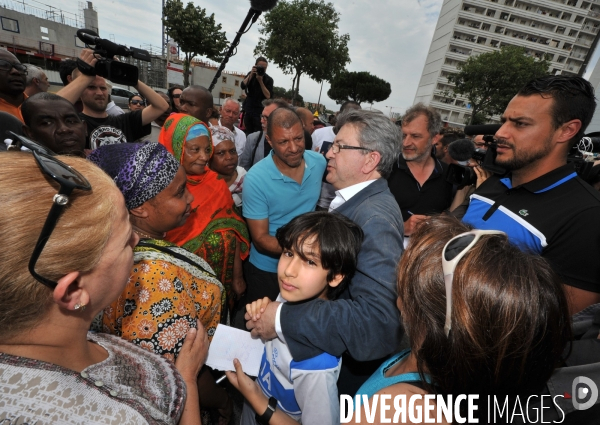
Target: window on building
(78, 42)
(224, 79)
(237, 83)
(44, 30)
(8, 24)
(45, 38)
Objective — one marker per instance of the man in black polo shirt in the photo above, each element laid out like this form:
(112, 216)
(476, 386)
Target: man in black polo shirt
(103, 129)
(258, 86)
(541, 204)
(417, 180)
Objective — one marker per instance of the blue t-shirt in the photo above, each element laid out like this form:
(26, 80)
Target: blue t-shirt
(269, 194)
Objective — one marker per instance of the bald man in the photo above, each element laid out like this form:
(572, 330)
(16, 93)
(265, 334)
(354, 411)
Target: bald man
(285, 184)
(230, 113)
(12, 84)
(196, 101)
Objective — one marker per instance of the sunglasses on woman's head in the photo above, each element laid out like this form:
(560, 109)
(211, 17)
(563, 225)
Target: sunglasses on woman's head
(69, 179)
(453, 251)
(138, 102)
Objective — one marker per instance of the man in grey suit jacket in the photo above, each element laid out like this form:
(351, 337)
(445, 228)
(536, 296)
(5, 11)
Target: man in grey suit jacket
(364, 323)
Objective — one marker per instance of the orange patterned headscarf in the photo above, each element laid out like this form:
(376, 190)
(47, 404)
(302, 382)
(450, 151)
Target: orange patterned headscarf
(213, 210)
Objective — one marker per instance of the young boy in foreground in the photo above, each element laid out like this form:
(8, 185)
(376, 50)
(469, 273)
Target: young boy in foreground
(318, 260)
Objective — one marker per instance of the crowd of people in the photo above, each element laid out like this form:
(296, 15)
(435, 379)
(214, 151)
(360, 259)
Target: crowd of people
(128, 237)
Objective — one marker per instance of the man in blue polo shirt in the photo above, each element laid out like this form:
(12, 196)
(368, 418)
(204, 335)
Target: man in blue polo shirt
(283, 185)
(541, 204)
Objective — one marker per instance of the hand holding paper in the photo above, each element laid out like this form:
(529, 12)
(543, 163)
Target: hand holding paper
(229, 343)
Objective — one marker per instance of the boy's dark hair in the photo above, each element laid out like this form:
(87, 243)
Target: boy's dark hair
(338, 239)
(65, 69)
(573, 99)
(260, 59)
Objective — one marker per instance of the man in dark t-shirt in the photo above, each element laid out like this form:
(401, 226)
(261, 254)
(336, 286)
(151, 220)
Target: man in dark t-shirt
(103, 129)
(417, 179)
(541, 204)
(258, 86)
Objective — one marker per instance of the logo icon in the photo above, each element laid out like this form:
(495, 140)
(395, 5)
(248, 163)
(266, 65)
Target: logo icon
(584, 392)
(524, 213)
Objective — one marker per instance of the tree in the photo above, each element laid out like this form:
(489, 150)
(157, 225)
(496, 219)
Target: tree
(280, 92)
(359, 87)
(194, 32)
(490, 80)
(302, 37)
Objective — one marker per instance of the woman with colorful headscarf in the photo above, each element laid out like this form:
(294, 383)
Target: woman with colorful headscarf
(214, 230)
(169, 288)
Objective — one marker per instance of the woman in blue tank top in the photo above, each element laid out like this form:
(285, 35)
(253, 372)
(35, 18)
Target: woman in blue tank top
(482, 317)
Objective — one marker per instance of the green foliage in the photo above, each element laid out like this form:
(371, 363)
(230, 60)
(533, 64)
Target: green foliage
(359, 87)
(302, 37)
(280, 92)
(196, 33)
(490, 80)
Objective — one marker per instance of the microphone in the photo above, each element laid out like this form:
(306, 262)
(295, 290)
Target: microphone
(112, 49)
(88, 36)
(263, 5)
(474, 130)
(461, 150)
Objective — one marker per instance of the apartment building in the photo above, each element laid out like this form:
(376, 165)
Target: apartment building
(564, 30)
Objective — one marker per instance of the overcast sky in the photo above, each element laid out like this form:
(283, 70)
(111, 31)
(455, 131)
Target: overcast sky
(389, 38)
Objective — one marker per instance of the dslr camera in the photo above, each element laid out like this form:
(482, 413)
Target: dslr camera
(107, 67)
(260, 70)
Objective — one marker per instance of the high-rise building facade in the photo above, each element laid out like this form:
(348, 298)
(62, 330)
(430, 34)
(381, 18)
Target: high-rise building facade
(564, 30)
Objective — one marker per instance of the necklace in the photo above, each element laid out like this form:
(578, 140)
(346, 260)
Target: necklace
(143, 235)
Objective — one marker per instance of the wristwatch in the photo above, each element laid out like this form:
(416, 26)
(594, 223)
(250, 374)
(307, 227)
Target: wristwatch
(266, 417)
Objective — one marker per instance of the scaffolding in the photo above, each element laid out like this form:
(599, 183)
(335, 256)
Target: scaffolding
(44, 11)
(153, 73)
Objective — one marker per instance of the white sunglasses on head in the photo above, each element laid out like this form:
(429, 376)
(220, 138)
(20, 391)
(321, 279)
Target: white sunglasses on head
(461, 244)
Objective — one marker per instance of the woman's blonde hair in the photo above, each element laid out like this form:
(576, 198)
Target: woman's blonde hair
(76, 244)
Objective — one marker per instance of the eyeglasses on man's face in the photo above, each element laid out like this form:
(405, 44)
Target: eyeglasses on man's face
(69, 179)
(336, 147)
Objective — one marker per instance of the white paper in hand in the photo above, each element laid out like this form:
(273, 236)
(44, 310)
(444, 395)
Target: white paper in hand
(230, 343)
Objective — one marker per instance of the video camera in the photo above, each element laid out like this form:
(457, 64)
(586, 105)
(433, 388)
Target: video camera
(581, 155)
(105, 50)
(464, 149)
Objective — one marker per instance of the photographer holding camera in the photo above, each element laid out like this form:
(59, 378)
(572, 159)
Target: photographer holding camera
(93, 91)
(258, 86)
(541, 204)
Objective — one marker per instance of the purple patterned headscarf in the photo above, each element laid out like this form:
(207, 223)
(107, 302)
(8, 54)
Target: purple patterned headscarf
(140, 170)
